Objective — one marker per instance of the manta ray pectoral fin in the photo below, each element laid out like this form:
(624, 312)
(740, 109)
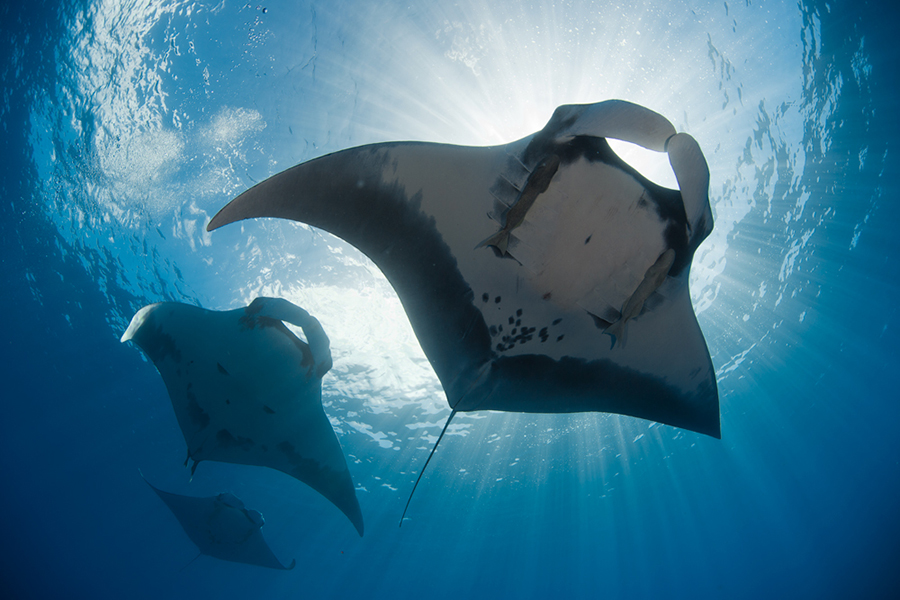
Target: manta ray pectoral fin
(137, 321)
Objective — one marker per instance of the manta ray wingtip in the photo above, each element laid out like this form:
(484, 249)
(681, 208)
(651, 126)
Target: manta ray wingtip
(224, 216)
(216, 222)
(137, 321)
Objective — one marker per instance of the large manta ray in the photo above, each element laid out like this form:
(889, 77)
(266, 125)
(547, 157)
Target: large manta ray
(222, 527)
(246, 390)
(545, 275)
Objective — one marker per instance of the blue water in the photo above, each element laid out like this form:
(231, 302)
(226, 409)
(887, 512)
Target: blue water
(125, 127)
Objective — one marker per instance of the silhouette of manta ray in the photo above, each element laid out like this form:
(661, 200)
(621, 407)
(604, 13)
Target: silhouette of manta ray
(222, 527)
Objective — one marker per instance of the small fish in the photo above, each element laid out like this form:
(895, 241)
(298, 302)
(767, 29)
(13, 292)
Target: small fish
(653, 278)
(537, 184)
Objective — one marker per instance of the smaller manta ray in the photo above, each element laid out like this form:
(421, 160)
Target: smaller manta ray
(247, 391)
(223, 528)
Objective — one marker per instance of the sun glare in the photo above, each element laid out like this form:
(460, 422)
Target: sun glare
(652, 165)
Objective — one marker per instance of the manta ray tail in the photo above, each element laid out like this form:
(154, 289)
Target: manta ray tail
(440, 437)
(191, 561)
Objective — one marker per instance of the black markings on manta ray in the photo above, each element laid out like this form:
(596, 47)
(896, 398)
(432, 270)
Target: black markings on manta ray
(518, 331)
(600, 254)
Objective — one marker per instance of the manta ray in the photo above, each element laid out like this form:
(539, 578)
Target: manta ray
(246, 390)
(545, 275)
(222, 527)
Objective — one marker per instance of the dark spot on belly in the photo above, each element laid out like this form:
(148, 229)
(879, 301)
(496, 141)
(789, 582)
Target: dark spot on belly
(485, 297)
(497, 300)
(221, 369)
(557, 321)
(511, 320)
(588, 239)
(559, 339)
(548, 295)
(519, 313)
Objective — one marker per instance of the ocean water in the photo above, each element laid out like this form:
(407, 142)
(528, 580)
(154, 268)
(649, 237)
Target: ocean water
(127, 125)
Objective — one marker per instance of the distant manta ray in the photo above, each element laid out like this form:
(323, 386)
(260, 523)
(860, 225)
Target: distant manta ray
(247, 391)
(514, 263)
(222, 527)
